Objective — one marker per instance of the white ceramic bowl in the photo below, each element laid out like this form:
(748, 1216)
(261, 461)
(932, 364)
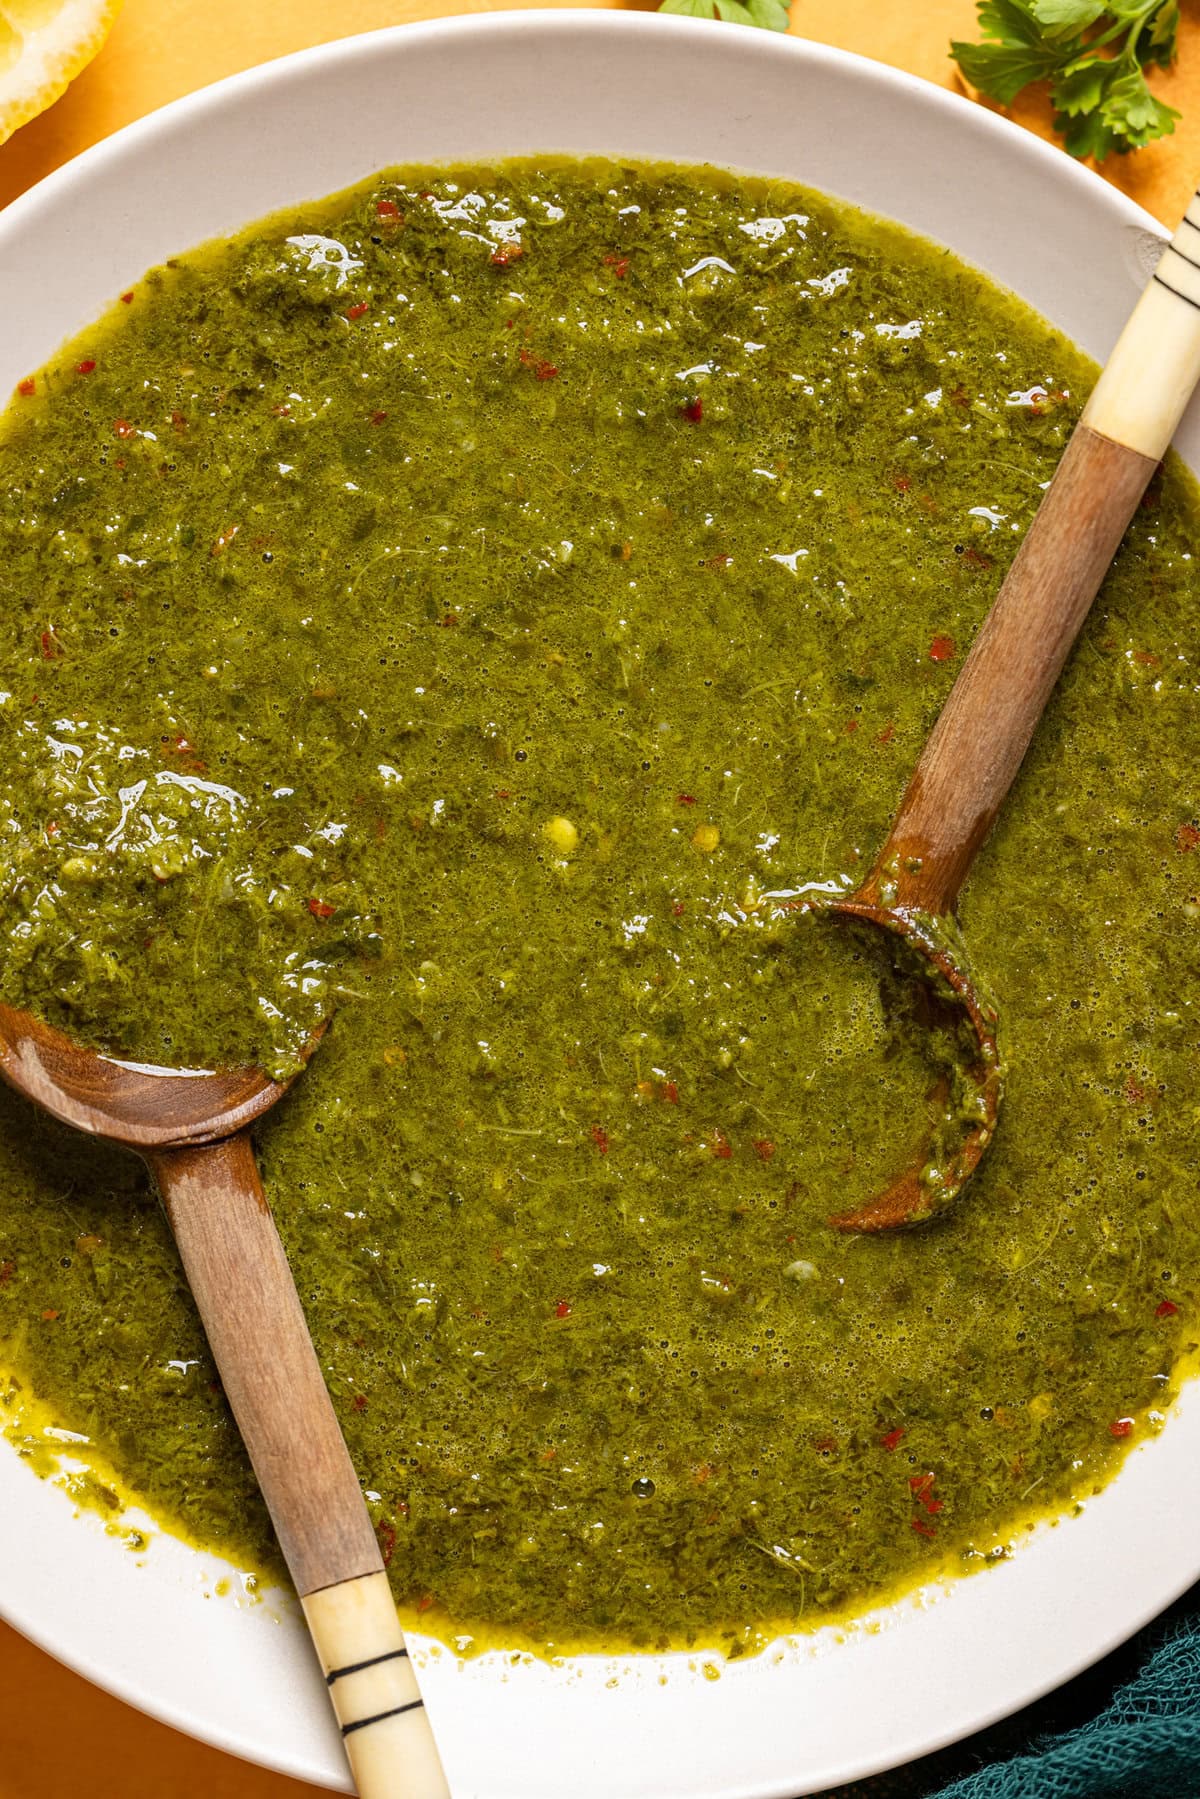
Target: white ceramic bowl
(829, 1707)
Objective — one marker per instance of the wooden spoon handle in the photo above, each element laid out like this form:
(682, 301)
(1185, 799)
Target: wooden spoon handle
(980, 738)
(1152, 373)
(374, 1690)
(975, 749)
(256, 1330)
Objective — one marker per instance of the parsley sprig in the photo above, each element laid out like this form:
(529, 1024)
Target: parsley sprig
(1095, 57)
(772, 15)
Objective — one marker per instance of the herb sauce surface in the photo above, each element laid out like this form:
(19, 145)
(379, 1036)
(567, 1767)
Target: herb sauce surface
(481, 605)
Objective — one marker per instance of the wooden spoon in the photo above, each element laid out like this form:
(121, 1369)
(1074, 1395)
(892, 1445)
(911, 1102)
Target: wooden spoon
(984, 729)
(192, 1130)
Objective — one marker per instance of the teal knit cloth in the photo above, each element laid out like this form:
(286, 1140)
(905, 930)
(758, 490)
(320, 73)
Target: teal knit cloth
(1144, 1744)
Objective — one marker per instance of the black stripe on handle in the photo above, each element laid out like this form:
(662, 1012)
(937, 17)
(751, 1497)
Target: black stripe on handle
(1195, 304)
(357, 1667)
(361, 1723)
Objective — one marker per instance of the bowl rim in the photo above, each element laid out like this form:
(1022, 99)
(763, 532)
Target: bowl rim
(530, 21)
(1011, 141)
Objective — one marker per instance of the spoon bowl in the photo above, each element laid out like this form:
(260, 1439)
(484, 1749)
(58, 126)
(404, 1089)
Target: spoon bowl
(135, 1104)
(960, 1023)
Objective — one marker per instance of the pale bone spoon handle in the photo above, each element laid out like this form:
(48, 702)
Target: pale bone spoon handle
(248, 1305)
(981, 736)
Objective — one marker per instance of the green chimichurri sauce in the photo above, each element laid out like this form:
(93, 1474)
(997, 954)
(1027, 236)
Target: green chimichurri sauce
(479, 605)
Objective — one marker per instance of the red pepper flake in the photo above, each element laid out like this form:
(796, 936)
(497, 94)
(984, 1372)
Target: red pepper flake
(387, 1541)
(902, 483)
(49, 1315)
(51, 647)
(678, 908)
(548, 1455)
(1135, 1093)
(921, 1486)
(360, 1402)
(377, 418)
(1120, 1427)
(764, 1149)
(502, 793)
(424, 1602)
(851, 726)
(825, 1445)
(670, 1093)
(123, 428)
(226, 538)
(886, 735)
(1166, 1309)
(356, 311)
(685, 799)
(7, 1270)
(693, 410)
(974, 558)
(53, 828)
(1186, 838)
(922, 1529)
(127, 299)
(503, 254)
(958, 396)
(27, 387)
(600, 1138)
(544, 371)
(388, 211)
(618, 264)
(941, 649)
(320, 908)
(282, 412)
(86, 367)
(563, 1309)
(178, 422)
(894, 1438)
(720, 1145)
(1147, 658)
(703, 1473)
(450, 620)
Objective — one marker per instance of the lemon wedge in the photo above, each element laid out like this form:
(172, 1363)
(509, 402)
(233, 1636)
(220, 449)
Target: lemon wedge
(43, 46)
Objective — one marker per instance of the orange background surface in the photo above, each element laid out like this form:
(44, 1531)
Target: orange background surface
(60, 1737)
